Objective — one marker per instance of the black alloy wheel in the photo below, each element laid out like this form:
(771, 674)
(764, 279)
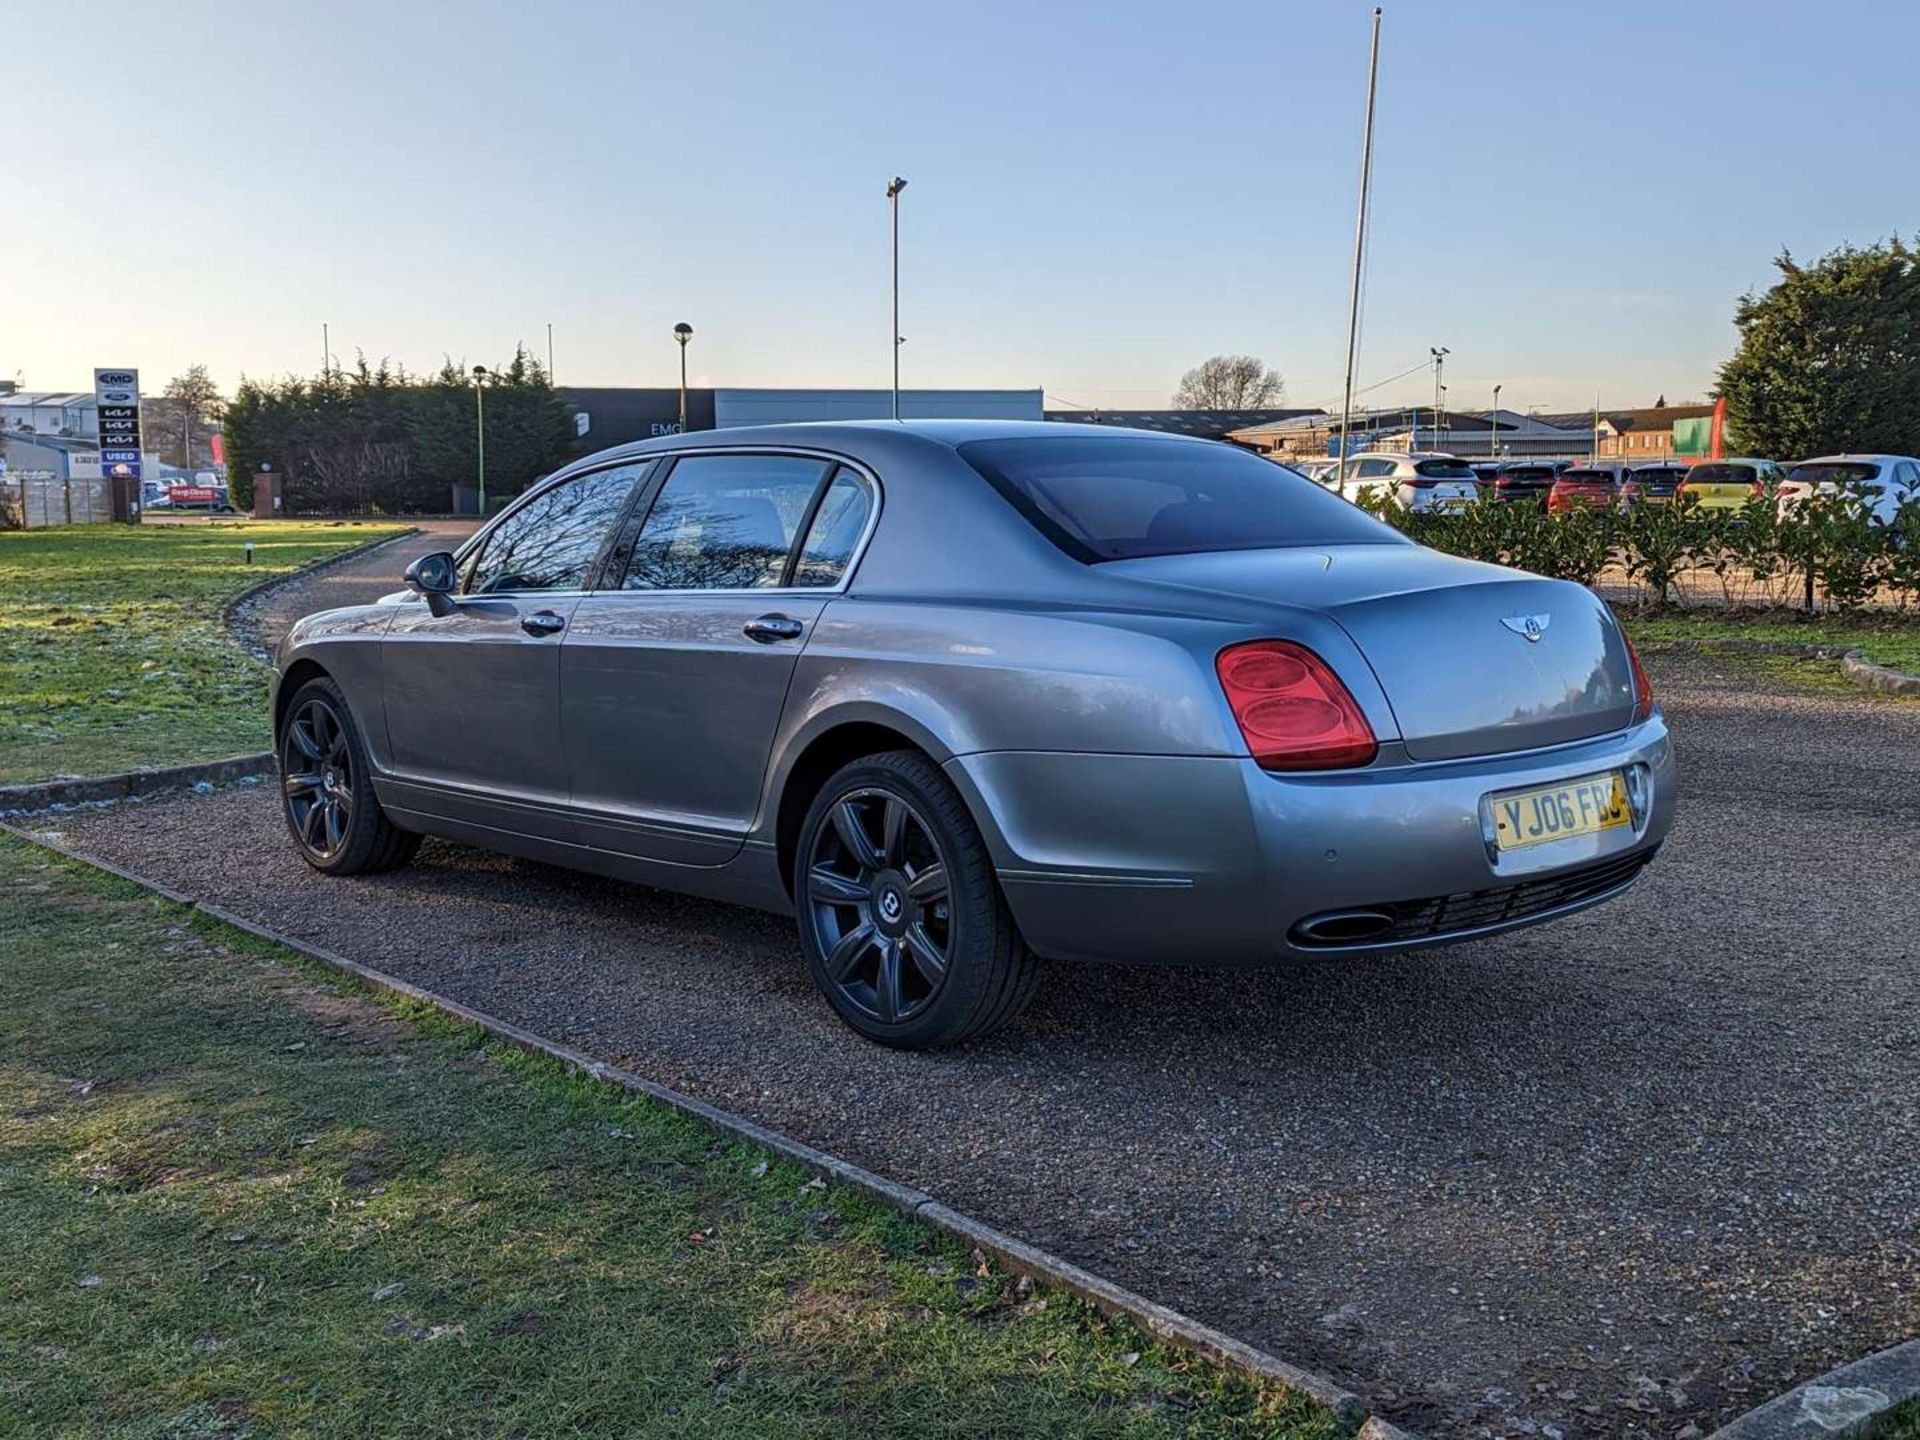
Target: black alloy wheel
(877, 890)
(325, 795)
(901, 916)
(316, 776)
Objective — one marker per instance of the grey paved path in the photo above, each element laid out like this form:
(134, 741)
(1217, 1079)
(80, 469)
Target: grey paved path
(1625, 1174)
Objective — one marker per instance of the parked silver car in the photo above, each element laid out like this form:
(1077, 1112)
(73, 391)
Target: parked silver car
(964, 695)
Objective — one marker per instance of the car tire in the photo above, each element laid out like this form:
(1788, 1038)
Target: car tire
(888, 847)
(326, 795)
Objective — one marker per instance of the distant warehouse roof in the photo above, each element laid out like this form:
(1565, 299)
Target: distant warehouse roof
(1205, 424)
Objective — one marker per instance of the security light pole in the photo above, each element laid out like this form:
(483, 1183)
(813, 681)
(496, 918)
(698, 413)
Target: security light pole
(1439, 353)
(1493, 427)
(894, 187)
(683, 332)
(480, 432)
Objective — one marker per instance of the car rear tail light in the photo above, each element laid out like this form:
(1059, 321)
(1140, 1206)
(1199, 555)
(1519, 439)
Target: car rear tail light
(1642, 687)
(1423, 482)
(1292, 709)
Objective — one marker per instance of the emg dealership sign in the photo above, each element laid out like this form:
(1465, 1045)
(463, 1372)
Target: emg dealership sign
(116, 393)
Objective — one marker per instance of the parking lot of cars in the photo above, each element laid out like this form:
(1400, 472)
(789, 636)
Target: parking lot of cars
(1432, 480)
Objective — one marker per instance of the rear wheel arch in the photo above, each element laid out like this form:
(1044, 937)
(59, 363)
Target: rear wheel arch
(823, 755)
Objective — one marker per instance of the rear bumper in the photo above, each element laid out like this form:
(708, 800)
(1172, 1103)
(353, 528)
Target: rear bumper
(1211, 861)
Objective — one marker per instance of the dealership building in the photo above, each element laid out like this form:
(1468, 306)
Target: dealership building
(617, 415)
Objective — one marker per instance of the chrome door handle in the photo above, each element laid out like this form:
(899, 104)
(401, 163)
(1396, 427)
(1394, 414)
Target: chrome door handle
(769, 628)
(543, 622)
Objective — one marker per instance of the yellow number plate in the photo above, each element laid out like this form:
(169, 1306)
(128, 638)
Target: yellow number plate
(1558, 812)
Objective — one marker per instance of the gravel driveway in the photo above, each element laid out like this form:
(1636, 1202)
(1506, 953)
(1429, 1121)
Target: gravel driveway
(1625, 1175)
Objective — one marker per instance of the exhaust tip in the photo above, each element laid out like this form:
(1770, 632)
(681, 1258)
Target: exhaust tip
(1343, 927)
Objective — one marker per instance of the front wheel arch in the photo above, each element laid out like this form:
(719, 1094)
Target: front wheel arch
(291, 679)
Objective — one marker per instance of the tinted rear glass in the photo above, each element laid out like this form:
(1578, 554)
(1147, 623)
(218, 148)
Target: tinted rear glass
(1444, 470)
(1114, 499)
(1835, 472)
(1586, 477)
(1526, 473)
(1722, 475)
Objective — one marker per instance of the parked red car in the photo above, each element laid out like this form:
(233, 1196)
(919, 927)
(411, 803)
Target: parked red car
(1581, 488)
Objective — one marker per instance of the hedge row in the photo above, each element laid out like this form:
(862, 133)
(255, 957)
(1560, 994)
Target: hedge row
(1826, 545)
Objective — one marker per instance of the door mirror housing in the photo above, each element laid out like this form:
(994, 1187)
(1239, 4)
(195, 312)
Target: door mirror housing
(433, 577)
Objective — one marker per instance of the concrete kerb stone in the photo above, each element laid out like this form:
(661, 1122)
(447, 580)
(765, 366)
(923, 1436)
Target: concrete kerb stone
(1862, 671)
(1849, 1401)
(1014, 1254)
(46, 794)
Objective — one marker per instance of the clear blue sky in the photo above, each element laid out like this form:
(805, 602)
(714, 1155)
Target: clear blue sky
(1570, 197)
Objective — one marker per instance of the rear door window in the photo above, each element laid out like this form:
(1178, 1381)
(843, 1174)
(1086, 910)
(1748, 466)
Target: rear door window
(724, 522)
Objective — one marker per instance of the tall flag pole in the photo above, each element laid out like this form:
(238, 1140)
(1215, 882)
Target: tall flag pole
(1359, 244)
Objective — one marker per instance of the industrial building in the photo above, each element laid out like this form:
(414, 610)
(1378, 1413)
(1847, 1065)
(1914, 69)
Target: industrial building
(616, 415)
(1470, 434)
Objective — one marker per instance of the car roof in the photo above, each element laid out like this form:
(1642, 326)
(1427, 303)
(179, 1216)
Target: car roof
(1836, 459)
(874, 441)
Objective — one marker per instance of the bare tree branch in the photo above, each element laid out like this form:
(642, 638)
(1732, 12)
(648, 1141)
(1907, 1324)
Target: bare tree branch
(1230, 382)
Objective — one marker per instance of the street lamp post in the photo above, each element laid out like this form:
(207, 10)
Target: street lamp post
(683, 332)
(894, 187)
(1439, 353)
(1493, 427)
(480, 432)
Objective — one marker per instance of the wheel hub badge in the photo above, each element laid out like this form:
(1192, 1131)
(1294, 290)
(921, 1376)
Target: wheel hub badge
(891, 907)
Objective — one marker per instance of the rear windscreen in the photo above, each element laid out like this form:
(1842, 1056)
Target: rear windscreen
(1835, 472)
(1443, 470)
(1530, 472)
(1586, 477)
(1723, 475)
(1101, 498)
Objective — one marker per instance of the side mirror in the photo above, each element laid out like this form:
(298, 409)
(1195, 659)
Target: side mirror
(433, 577)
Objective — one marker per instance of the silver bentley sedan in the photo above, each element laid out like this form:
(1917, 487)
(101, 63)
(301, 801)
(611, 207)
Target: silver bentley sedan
(968, 696)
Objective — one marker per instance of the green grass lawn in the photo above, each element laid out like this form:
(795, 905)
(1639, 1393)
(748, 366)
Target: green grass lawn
(1902, 1424)
(112, 651)
(238, 1198)
(1887, 641)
